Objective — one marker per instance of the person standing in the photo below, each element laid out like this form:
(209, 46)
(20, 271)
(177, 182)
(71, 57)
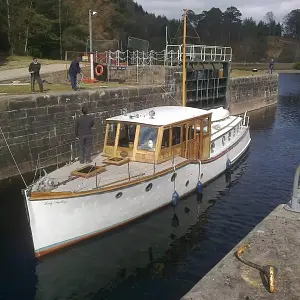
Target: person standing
(73, 71)
(83, 131)
(271, 66)
(34, 70)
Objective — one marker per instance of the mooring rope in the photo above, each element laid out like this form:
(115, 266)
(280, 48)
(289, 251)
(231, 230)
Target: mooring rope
(13, 157)
(268, 271)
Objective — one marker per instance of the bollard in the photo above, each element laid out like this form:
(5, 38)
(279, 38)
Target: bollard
(294, 204)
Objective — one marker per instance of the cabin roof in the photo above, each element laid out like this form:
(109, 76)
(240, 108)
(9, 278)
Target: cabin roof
(164, 115)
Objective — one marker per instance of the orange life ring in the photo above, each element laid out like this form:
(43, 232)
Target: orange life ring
(99, 72)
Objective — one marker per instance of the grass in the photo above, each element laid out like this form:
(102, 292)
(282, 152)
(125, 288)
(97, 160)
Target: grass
(246, 73)
(260, 66)
(15, 62)
(52, 88)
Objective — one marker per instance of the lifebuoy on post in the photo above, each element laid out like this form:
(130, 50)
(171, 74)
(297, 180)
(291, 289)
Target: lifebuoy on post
(99, 70)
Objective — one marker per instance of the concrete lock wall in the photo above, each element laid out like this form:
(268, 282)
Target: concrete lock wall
(250, 93)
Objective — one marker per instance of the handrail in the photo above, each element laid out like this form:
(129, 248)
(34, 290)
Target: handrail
(170, 56)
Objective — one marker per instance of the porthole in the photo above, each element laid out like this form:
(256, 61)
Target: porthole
(223, 140)
(149, 187)
(173, 177)
(212, 147)
(187, 183)
(234, 130)
(229, 136)
(119, 195)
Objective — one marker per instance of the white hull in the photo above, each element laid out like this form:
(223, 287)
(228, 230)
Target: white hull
(59, 223)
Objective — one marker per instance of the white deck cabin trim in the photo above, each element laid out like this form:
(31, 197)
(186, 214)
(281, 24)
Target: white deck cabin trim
(164, 115)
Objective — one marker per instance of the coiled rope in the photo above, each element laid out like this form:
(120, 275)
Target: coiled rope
(268, 271)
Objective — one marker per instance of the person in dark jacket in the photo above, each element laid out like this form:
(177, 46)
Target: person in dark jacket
(83, 131)
(73, 71)
(271, 66)
(34, 70)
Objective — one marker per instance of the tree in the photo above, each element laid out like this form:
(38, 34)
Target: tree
(292, 24)
(4, 42)
(232, 21)
(210, 26)
(49, 28)
(249, 28)
(278, 29)
(270, 18)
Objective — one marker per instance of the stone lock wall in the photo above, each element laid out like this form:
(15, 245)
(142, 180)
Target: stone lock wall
(42, 123)
(250, 93)
(36, 123)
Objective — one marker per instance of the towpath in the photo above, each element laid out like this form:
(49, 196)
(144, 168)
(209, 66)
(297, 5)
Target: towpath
(23, 72)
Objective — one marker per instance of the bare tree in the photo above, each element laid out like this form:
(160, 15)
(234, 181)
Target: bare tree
(59, 20)
(8, 24)
(270, 18)
(27, 31)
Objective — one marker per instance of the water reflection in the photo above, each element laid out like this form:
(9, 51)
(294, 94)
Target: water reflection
(288, 84)
(262, 118)
(163, 255)
(96, 266)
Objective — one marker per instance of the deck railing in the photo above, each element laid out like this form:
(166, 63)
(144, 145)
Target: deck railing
(67, 153)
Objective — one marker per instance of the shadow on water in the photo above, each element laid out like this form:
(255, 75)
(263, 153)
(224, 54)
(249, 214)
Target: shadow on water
(164, 254)
(97, 266)
(137, 251)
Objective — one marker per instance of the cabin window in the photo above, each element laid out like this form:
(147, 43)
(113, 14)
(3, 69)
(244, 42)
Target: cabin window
(223, 140)
(229, 136)
(176, 135)
(212, 147)
(234, 131)
(191, 133)
(111, 134)
(127, 135)
(166, 139)
(205, 125)
(184, 132)
(147, 138)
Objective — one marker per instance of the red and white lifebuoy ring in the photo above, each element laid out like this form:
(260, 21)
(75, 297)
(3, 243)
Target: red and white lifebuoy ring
(99, 70)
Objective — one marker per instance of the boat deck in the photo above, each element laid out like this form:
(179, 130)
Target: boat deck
(113, 174)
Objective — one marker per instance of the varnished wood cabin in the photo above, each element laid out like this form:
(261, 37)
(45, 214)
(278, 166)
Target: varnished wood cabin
(158, 134)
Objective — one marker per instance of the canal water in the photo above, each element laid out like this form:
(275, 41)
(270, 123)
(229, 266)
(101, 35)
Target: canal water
(165, 254)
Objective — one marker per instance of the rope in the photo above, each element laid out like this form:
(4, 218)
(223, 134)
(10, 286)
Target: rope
(268, 271)
(173, 39)
(194, 30)
(171, 96)
(13, 157)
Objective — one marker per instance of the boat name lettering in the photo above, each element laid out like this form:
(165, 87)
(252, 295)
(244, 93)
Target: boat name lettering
(55, 202)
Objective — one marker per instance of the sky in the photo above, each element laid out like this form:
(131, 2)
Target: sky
(253, 8)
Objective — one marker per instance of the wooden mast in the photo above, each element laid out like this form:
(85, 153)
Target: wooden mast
(184, 60)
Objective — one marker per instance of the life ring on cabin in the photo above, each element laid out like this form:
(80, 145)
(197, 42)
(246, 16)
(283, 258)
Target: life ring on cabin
(97, 71)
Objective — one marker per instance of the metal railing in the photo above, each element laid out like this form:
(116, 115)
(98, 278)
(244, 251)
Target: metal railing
(171, 56)
(197, 53)
(64, 153)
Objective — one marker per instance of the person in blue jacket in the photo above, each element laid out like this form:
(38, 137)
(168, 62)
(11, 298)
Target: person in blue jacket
(73, 71)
